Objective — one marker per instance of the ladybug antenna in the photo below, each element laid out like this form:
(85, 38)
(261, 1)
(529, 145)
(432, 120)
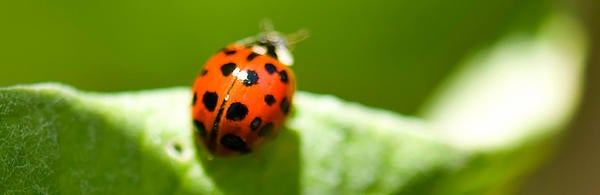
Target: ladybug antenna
(272, 43)
(296, 37)
(266, 26)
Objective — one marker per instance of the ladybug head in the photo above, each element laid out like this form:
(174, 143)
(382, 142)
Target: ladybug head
(273, 43)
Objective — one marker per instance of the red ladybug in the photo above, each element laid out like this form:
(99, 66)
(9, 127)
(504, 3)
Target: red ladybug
(243, 94)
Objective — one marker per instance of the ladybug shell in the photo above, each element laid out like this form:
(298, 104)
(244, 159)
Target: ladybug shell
(240, 100)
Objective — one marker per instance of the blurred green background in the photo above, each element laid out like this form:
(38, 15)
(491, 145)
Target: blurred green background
(387, 54)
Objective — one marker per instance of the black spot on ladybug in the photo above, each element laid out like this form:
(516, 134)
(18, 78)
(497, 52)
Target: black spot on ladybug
(271, 51)
(255, 123)
(236, 111)
(270, 68)
(200, 129)
(251, 79)
(194, 98)
(252, 56)
(266, 130)
(203, 72)
(283, 76)
(234, 142)
(226, 69)
(229, 52)
(270, 99)
(284, 105)
(210, 100)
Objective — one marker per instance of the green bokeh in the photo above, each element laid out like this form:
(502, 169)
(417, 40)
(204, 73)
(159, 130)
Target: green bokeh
(387, 54)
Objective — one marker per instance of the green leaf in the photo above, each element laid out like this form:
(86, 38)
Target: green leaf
(62, 140)
(56, 139)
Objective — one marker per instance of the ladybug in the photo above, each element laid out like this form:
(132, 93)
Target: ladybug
(243, 94)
